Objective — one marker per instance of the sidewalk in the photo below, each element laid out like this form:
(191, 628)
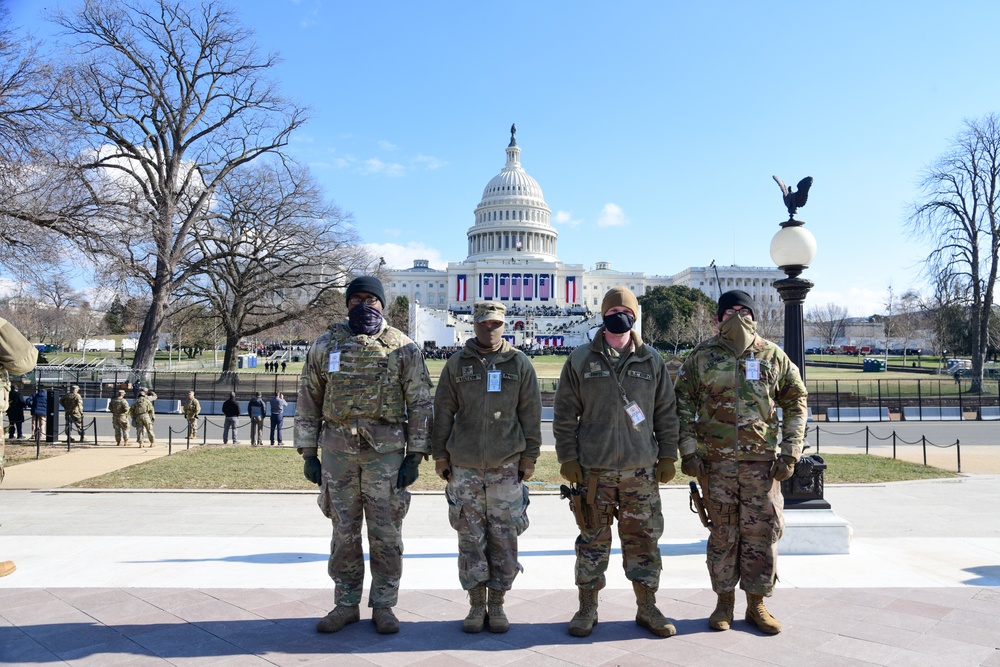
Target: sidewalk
(199, 578)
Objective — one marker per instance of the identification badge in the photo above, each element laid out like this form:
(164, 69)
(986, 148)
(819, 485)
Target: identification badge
(635, 413)
(753, 369)
(334, 366)
(493, 381)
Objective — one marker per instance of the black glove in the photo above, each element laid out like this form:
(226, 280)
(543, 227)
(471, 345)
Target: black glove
(313, 470)
(408, 471)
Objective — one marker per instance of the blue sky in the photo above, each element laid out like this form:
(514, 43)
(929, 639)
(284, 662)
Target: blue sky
(665, 118)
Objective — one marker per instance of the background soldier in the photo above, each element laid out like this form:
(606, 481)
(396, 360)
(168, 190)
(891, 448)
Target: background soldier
(143, 416)
(255, 410)
(72, 403)
(487, 435)
(17, 355)
(278, 405)
(615, 428)
(119, 409)
(191, 412)
(364, 397)
(727, 391)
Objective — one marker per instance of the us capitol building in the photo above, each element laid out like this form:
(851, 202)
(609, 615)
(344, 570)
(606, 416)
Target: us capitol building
(513, 258)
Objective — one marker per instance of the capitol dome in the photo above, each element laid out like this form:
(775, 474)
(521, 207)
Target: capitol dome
(512, 220)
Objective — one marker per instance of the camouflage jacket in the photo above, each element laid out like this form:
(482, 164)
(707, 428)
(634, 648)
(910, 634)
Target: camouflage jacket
(476, 428)
(141, 406)
(359, 386)
(72, 404)
(192, 409)
(724, 415)
(119, 408)
(17, 356)
(590, 422)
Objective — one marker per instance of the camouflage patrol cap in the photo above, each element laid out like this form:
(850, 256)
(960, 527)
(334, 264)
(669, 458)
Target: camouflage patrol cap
(489, 311)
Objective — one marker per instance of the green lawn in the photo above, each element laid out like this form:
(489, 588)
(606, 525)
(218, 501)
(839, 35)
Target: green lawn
(281, 469)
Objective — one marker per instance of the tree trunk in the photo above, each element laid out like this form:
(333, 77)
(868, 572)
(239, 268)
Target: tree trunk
(229, 360)
(145, 351)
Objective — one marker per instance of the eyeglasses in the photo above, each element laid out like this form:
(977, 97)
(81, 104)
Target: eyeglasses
(743, 312)
(356, 300)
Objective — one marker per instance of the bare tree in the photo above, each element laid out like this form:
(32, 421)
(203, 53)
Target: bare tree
(959, 213)
(771, 323)
(163, 101)
(908, 319)
(829, 322)
(278, 251)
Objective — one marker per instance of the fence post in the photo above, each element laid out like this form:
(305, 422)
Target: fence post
(920, 401)
(836, 389)
(960, 410)
(958, 453)
(923, 443)
(879, 404)
(817, 438)
(866, 430)
(170, 440)
(894, 445)
(204, 431)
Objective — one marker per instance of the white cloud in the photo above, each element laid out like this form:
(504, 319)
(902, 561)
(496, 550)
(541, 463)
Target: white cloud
(386, 145)
(376, 166)
(392, 232)
(565, 218)
(401, 257)
(429, 162)
(612, 215)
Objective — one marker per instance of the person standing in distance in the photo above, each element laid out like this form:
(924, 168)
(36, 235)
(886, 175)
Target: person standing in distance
(17, 356)
(487, 436)
(364, 399)
(119, 409)
(231, 418)
(72, 404)
(615, 427)
(256, 410)
(278, 405)
(191, 411)
(143, 415)
(727, 392)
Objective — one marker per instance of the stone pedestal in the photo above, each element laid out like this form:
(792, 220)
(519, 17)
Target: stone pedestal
(815, 531)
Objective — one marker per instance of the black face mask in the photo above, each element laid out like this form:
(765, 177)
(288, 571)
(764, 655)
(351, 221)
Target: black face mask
(364, 319)
(618, 323)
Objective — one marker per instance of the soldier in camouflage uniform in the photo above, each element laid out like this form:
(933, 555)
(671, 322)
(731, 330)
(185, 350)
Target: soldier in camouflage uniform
(487, 436)
(143, 416)
(727, 393)
(119, 409)
(191, 411)
(72, 403)
(615, 428)
(364, 399)
(18, 356)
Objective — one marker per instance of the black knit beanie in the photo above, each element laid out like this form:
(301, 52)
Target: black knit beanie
(736, 298)
(369, 284)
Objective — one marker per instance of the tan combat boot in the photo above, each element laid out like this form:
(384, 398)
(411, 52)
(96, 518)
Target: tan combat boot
(585, 619)
(477, 610)
(338, 618)
(7, 567)
(758, 614)
(722, 617)
(494, 612)
(385, 621)
(648, 616)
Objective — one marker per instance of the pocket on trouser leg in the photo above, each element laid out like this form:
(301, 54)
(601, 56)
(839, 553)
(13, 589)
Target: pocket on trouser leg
(325, 503)
(519, 511)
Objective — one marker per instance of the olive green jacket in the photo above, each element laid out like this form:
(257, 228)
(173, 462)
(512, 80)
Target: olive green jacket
(590, 423)
(476, 428)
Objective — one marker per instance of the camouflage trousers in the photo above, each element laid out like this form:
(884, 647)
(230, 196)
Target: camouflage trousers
(744, 550)
(74, 422)
(121, 430)
(636, 496)
(362, 484)
(488, 508)
(192, 427)
(144, 425)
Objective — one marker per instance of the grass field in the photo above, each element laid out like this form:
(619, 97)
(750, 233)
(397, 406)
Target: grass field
(274, 469)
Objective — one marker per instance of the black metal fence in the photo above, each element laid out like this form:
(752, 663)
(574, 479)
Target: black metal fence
(895, 395)
(871, 439)
(173, 385)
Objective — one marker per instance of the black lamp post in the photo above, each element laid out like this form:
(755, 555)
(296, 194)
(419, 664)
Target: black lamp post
(793, 249)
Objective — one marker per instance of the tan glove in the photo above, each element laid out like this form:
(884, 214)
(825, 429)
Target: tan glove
(665, 470)
(443, 468)
(525, 469)
(782, 468)
(693, 466)
(572, 472)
